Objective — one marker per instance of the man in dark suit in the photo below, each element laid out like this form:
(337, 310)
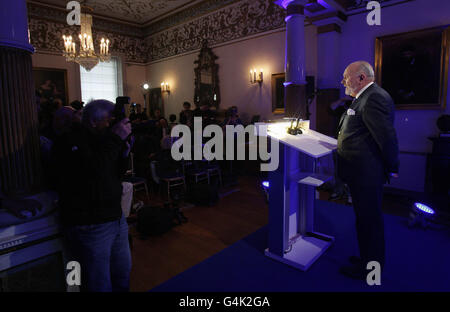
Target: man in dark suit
(367, 158)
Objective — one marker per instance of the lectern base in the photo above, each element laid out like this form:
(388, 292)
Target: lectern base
(305, 250)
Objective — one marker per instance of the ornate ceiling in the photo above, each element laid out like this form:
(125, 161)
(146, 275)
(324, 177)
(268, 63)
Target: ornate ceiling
(133, 11)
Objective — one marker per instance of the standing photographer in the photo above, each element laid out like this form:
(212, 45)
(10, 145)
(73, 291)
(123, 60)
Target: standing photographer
(90, 160)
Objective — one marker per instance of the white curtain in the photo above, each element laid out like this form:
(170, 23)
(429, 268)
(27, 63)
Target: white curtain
(102, 82)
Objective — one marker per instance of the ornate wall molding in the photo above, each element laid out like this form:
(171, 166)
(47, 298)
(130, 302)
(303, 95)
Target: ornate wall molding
(245, 18)
(186, 15)
(46, 36)
(49, 13)
(238, 20)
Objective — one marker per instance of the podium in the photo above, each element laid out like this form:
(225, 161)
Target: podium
(292, 196)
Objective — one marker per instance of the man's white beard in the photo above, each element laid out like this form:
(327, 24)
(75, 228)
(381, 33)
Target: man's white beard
(348, 91)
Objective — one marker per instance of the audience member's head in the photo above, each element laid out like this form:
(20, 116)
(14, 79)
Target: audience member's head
(138, 108)
(172, 118)
(63, 119)
(123, 100)
(186, 106)
(233, 110)
(77, 105)
(58, 102)
(157, 113)
(98, 114)
(162, 123)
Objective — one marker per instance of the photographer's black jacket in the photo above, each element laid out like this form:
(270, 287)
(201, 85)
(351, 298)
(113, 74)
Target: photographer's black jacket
(87, 170)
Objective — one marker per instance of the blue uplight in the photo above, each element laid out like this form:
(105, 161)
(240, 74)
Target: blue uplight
(265, 184)
(424, 208)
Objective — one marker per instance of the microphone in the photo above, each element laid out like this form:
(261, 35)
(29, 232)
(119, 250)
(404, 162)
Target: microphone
(294, 131)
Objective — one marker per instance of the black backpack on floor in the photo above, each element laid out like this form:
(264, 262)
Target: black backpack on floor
(154, 220)
(157, 220)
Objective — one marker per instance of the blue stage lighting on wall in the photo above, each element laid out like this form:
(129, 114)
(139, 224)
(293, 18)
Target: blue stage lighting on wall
(265, 184)
(420, 214)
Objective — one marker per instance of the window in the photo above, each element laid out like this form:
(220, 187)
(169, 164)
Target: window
(104, 81)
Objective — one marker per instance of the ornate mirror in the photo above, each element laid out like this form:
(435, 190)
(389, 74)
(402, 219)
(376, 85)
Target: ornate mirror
(206, 78)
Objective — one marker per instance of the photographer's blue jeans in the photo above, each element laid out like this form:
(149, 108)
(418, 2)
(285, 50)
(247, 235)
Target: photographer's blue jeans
(103, 253)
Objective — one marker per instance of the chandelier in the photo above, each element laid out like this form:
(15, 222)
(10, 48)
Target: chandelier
(86, 55)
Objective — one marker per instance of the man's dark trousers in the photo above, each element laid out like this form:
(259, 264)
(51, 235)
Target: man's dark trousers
(367, 202)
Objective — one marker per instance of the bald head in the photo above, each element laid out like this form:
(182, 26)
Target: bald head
(362, 67)
(356, 76)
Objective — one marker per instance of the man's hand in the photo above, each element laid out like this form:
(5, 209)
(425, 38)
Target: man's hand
(122, 129)
(340, 102)
(394, 175)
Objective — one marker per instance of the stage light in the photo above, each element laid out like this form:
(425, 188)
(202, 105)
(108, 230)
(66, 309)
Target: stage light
(424, 208)
(420, 214)
(145, 86)
(265, 184)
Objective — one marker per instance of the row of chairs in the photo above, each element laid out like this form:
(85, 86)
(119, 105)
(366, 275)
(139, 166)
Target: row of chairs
(197, 171)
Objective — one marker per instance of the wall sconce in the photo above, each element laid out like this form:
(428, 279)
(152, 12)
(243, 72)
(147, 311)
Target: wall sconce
(145, 87)
(256, 77)
(165, 87)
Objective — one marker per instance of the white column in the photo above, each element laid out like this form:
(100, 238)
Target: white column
(295, 84)
(14, 25)
(295, 44)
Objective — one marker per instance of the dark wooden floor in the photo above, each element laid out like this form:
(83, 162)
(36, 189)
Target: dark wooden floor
(208, 231)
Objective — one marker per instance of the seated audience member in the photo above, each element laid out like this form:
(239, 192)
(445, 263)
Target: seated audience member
(45, 117)
(172, 119)
(158, 115)
(187, 115)
(62, 120)
(208, 116)
(137, 115)
(59, 103)
(232, 117)
(78, 106)
(90, 161)
(145, 149)
(167, 167)
(162, 126)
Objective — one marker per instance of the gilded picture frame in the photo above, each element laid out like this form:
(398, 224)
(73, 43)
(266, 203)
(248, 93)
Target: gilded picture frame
(413, 67)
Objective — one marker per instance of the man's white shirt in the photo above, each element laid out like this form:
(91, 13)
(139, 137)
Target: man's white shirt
(363, 89)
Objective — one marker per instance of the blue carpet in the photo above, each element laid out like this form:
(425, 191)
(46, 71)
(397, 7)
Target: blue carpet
(417, 260)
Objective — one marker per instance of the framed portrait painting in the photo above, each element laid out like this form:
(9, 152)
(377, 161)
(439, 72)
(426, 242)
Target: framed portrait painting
(278, 93)
(51, 84)
(413, 67)
(155, 101)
